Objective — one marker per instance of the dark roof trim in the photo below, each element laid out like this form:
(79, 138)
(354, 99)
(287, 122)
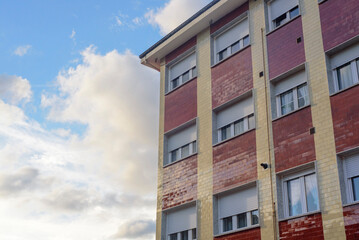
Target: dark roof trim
(180, 27)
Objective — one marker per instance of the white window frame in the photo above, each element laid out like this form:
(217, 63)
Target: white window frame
(295, 99)
(232, 132)
(192, 150)
(300, 175)
(192, 71)
(235, 222)
(348, 181)
(179, 234)
(271, 22)
(229, 48)
(355, 74)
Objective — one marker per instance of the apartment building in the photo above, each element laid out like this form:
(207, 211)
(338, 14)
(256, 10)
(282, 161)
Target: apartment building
(259, 122)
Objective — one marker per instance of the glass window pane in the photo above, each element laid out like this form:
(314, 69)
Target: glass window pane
(294, 197)
(355, 182)
(251, 122)
(185, 77)
(194, 147)
(185, 151)
(173, 236)
(235, 47)
(255, 217)
(287, 103)
(358, 67)
(174, 83)
(303, 98)
(311, 193)
(227, 224)
(280, 20)
(294, 12)
(194, 233)
(345, 77)
(246, 41)
(225, 132)
(194, 72)
(239, 127)
(184, 235)
(242, 220)
(174, 155)
(222, 54)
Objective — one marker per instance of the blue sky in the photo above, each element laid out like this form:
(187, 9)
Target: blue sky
(79, 117)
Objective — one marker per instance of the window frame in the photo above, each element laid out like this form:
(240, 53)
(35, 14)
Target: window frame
(354, 71)
(271, 23)
(247, 127)
(192, 150)
(192, 71)
(228, 49)
(349, 191)
(285, 198)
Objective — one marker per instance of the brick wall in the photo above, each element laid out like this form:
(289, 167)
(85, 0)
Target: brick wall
(293, 144)
(308, 227)
(234, 162)
(232, 77)
(250, 234)
(181, 105)
(229, 17)
(351, 221)
(284, 53)
(180, 183)
(343, 26)
(182, 49)
(345, 112)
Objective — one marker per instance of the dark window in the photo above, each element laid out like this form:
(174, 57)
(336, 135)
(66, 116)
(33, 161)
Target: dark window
(173, 236)
(227, 224)
(255, 217)
(235, 47)
(175, 83)
(242, 220)
(280, 20)
(222, 54)
(185, 77)
(355, 182)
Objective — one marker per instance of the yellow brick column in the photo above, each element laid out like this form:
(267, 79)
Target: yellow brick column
(205, 163)
(263, 122)
(160, 153)
(328, 180)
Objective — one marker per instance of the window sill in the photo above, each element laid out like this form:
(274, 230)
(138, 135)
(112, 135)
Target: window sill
(231, 138)
(351, 204)
(237, 230)
(172, 90)
(292, 112)
(320, 2)
(284, 24)
(230, 56)
(343, 90)
(179, 160)
(299, 216)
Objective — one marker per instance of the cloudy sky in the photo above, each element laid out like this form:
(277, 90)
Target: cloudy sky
(78, 117)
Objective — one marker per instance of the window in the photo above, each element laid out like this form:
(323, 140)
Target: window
(181, 143)
(351, 177)
(181, 223)
(281, 11)
(231, 39)
(237, 209)
(234, 119)
(182, 71)
(300, 193)
(345, 68)
(290, 94)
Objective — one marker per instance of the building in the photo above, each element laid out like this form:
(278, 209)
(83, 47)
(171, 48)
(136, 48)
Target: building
(259, 122)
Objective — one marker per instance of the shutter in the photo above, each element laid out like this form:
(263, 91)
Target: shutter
(182, 138)
(238, 202)
(352, 166)
(290, 82)
(235, 112)
(279, 7)
(232, 35)
(183, 66)
(181, 220)
(345, 56)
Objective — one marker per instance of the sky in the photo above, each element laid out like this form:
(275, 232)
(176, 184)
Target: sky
(79, 117)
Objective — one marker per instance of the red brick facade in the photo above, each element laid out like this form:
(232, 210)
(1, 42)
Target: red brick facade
(232, 77)
(293, 143)
(351, 222)
(180, 183)
(309, 228)
(181, 105)
(182, 49)
(250, 234)
(343, 26)
(345, 112)
(234, 162)
(284, 53)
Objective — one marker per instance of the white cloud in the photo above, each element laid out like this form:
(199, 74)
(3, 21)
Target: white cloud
(118, 21)
(73, 34)
(22, 50)
(173, 13)
(14, 89)
(137, 229)
(137, 21)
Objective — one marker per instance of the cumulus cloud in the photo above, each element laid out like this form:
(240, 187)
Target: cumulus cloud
(22, 50)
(137, 229)
(14, 89)
(173, 13)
